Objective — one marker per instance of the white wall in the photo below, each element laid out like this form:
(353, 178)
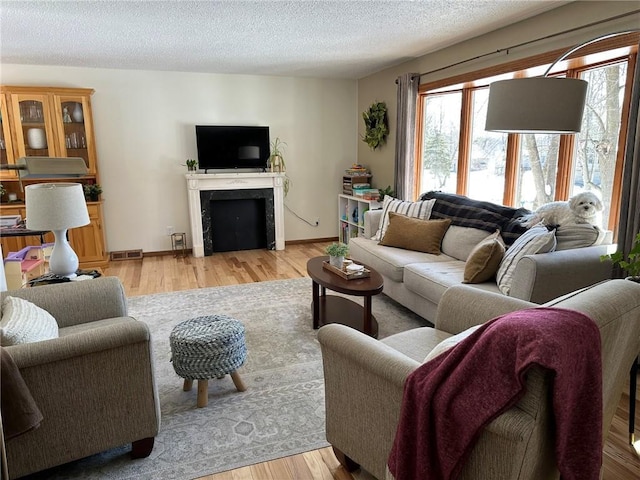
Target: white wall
(144, 127)
(381, 86)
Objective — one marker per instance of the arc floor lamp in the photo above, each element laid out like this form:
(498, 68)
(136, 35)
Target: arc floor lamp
(549, 105)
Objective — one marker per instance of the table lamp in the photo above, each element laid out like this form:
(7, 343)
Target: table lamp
(57, 207)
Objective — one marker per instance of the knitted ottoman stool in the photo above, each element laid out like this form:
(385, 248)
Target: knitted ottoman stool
(208, 347)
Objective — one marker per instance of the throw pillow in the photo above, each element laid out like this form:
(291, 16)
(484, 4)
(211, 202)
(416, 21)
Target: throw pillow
(484, 260)
(24, 322)
(450, 342)
(421, 210)
(415, 234)
(535, 240)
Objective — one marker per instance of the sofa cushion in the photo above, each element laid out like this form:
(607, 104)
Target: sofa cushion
(578, 235)
(535, 240)
(421, 210)
(484, 260)
(415, 234)
(458, 242)
(466, 212)
(388, 261)
(24, 322)
(431, 280)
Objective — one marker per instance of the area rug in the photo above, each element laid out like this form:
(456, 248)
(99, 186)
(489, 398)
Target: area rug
(280, 414)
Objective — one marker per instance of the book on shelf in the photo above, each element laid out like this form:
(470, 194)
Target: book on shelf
(344, 234)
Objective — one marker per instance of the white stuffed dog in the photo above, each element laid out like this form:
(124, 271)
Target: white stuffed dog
(581, 208)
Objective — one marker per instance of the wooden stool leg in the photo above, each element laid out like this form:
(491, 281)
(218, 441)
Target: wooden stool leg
(237, 381)
(203, 393)
(187, 385)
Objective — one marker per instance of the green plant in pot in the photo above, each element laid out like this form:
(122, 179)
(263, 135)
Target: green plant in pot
(191, 164)
(276, 158)
(92, 191)
(631, 264)
(337, 252)
(385, 191)
(277, 163)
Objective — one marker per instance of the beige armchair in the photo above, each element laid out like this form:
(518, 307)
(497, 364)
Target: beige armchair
(94, 384)
(364, 381)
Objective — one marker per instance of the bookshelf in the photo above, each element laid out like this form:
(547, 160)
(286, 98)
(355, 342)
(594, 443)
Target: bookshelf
(351, 216)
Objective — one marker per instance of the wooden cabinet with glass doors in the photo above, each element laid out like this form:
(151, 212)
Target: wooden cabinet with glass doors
(51, 122)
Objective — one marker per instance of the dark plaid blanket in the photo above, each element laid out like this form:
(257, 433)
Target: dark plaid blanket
(465, 212)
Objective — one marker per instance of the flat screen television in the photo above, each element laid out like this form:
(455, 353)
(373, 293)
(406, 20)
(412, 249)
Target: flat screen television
(228, 147)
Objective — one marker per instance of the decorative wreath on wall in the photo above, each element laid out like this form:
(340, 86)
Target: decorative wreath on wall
(376, 127)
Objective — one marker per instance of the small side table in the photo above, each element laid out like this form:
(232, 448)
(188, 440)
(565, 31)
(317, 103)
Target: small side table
(337, 309)
(179, 244)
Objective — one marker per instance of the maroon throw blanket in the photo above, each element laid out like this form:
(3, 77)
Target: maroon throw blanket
(448, 400)
(20, 413)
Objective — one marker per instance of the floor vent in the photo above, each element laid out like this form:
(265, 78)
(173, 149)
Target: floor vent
(126, 255)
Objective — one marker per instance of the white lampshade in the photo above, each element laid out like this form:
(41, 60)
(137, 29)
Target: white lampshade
(55, 206)
(536, 105)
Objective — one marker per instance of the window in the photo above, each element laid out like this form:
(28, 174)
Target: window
(487, 157)
(538, 167)
(596, 146)
(441, 126)
(528, 170)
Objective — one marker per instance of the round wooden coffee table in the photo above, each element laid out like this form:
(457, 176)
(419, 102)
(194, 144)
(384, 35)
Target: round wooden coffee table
(335, 309)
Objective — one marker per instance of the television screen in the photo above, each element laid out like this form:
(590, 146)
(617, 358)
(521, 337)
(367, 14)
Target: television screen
(223, 146)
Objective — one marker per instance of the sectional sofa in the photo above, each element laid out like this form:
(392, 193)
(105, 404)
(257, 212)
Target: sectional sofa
(418, 280)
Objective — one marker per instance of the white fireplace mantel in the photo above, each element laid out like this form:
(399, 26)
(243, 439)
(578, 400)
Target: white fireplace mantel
(197, 182)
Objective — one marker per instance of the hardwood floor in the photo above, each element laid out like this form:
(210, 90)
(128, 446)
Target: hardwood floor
(156, 274)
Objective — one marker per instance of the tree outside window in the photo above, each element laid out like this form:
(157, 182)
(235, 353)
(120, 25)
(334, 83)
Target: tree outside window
(538, 166)
(596, 146)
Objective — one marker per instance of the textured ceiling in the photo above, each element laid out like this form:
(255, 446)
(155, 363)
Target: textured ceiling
(335, 39)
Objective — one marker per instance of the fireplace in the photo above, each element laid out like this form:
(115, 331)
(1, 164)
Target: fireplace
(237, 220)
(259, 198)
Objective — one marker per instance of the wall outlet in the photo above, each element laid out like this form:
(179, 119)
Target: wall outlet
(170, 230)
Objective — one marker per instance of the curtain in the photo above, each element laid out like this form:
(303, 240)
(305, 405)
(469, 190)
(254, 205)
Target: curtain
(405, 135)
(629, 220)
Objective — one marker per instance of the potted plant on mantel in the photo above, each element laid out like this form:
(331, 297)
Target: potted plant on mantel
(92, 191)
(337, 252)
(632, 263)
(191, 164)
(277, 164)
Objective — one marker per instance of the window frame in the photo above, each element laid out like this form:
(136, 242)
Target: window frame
(614, 50)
